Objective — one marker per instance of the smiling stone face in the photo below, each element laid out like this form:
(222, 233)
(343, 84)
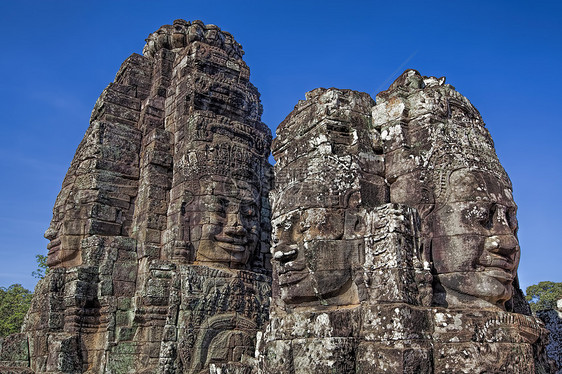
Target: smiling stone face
(475, 247)
(64, 249)
(312, 259)
(440, 159)
(326, 171)
(225, 223)
(96, 192)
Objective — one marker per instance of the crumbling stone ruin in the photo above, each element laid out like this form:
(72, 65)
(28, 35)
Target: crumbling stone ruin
(159, 243)
(394, 239)
(392, 227)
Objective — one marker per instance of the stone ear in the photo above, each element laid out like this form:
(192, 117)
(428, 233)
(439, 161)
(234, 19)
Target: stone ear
(425, 254)
(426, 204)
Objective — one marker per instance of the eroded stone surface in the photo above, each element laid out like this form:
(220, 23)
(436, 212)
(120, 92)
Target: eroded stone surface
(392, 225)
(411, 214)
(159, 243)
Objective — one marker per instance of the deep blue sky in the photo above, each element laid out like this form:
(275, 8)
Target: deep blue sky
(505, 56)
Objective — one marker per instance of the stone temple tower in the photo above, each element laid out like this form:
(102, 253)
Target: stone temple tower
(391, 222)
(159, 243)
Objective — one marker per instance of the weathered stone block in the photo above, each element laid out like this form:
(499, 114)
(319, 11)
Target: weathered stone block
(473, 357)
(484, 326)
(125, 272)
(64, 353)
(123, 288)
(14, 348)
(326, 355)
(395, 322)
(381, 358)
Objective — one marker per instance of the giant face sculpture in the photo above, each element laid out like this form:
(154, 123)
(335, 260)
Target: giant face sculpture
(227, 218)
(326, 172)
(447, 169)
(64, 250)
(312, 259)
(65, 232)
(474, 246)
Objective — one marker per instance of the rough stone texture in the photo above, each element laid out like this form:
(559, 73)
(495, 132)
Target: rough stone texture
(553, 322)
(394, 240)
(159, 243)
(394, 246)
(440, 160)
(14, 353)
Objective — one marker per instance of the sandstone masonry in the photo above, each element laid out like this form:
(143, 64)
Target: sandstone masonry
(384, 239)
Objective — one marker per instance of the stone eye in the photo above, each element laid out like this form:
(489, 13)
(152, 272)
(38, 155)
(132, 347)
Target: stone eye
(249, 211)
(218, 206)
(303, 226)
(487, 218)
(512, 219)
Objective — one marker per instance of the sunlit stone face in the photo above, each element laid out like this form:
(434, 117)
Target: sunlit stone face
(225, 226)
(475, 248)
(64, 250)
(65, 232)
(312, 261)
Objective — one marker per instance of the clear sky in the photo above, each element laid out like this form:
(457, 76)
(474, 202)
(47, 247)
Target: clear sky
(505, 56)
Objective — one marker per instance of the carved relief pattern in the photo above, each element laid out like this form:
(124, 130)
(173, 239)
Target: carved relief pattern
(422, 266)
(160, 235)
(386, 241)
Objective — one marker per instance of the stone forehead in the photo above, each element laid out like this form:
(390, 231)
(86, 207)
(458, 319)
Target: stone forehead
(229, 187)
(314, 185)
(326, 111)
(441, 129)
(476, 185)
(310, 214)
(204, 125)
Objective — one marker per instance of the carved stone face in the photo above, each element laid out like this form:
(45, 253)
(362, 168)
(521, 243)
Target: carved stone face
(475, 248)
(311, 260)
(65, 232)
(228, 223)
(64, 250)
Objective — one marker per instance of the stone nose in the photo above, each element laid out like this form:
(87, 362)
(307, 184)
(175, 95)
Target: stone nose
(234, 225)
(50, 234)
(502, 244)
